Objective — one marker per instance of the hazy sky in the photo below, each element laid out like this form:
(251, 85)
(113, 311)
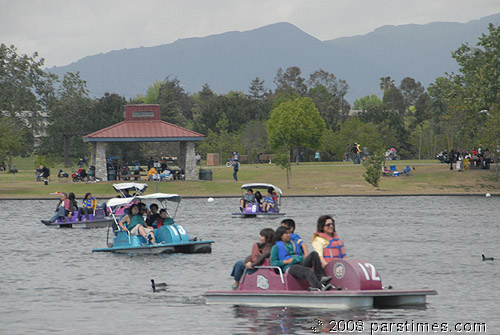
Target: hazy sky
(63, 31)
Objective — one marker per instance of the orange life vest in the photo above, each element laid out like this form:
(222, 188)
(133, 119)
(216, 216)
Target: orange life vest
(335, 247)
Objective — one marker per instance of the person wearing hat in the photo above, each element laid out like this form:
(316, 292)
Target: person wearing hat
(236, 168)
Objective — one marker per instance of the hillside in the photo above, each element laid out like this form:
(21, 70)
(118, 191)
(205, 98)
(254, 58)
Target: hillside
(230, 61)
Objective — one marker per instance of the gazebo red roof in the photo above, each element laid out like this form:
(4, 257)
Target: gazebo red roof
(143, 131)
(142, 124)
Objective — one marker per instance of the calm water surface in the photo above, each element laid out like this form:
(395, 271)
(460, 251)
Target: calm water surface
(51, 282)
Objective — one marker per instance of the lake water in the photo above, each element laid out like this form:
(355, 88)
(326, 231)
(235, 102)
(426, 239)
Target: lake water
(51, 282)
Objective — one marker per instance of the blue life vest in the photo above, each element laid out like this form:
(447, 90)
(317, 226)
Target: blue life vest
(89, 203)
(297, 241)
(283, 253)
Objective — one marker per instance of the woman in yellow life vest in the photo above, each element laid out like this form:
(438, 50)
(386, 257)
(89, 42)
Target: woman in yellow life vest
(89, 205)
(326, 242)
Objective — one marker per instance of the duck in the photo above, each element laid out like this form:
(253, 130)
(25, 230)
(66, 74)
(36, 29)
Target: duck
(158, 287)
(487, 258)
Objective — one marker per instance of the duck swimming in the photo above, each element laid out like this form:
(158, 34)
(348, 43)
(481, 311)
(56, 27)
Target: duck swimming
(158, 287)
(487, 258)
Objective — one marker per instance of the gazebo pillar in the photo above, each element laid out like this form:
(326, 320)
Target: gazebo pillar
(100, 160)
(187, 160)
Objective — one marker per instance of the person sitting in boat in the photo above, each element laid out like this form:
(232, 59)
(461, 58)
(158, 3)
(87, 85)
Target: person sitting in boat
(63, 208)
(73, 204)
(143, 209)
(284, 255)
(135, 224)
(89, 206)
(153, 215)
(268, 201)
(258, 197)
(300, 246)
(164, 218)
(260, 251)
(248, 197)
(326, 242)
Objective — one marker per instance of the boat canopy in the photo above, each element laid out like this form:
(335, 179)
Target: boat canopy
(136, 187)
(261, 186)
(114, 202)
(117, 202)
(161, 197)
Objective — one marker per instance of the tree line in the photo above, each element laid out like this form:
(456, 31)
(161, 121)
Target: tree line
(458, 111)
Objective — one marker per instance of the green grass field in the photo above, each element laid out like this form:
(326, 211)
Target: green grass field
(324, 178)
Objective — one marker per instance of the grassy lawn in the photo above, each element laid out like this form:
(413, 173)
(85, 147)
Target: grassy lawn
(324, 178)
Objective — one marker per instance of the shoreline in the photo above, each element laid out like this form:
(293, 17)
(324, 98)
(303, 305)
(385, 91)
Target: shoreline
(299, 196)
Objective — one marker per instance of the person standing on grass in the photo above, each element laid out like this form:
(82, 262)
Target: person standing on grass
(236, 168)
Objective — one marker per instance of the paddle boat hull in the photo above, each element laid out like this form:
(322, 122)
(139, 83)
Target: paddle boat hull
(253, 210)
(317, 299)
(357, 285)
(96, 220)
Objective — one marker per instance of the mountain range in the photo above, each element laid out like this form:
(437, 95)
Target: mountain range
(230, 61)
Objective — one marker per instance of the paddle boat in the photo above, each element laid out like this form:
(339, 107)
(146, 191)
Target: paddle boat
(357, 284)
(255, 209)
(97, 219)
(170, 237)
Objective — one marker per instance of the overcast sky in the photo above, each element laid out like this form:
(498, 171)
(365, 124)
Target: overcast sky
(64, 31)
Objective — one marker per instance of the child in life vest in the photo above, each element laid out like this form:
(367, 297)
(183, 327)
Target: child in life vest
(301, 247)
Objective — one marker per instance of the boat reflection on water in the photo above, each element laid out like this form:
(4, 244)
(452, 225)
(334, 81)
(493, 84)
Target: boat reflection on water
(299, 320)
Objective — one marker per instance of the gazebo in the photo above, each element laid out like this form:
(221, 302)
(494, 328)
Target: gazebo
(142, 124)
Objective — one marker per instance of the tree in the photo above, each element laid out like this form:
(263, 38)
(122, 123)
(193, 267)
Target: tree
(373, 169)
(176, 105)
(254, 138)
(480, 71)
(24, 86)
(25, 89)
(386, 83)
(68, 119)
(376, 138)
(295, 124)
(290, 83)
(448, 103)
(411, 91)
(490, 137)
(372, 109)
(12, 139)
(257, 90)
(328, 94)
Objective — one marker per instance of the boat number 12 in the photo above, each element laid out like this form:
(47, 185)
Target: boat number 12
(369, 269)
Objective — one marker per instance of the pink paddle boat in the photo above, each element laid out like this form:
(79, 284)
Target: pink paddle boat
(356, 284)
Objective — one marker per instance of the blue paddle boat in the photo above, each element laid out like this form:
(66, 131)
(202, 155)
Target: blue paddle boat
(256, 208)
(170, 237)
